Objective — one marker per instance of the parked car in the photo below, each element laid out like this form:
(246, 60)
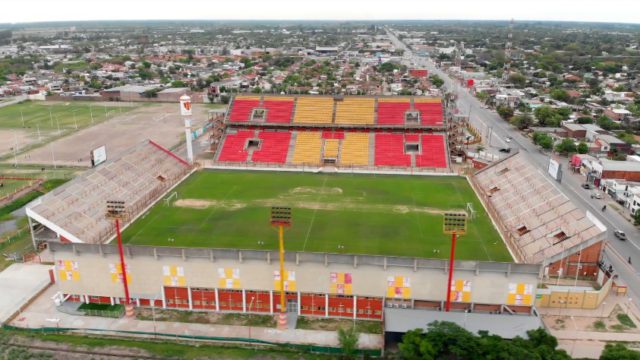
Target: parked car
(505, 150)
(587, 186)
(620, 235)
(596, 195)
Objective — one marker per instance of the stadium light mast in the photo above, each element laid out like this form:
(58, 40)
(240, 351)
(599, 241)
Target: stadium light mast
(117, 211)
(186, 112)
(455, 223)
(281, 218)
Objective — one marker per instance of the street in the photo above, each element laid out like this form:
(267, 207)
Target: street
(617, 252)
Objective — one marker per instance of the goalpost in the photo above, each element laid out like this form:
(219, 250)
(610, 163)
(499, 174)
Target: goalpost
(471, 211)
(172, 196)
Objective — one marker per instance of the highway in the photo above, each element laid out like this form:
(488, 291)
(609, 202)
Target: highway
(617, 252)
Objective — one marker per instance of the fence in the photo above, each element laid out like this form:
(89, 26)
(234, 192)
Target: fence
(237, 340)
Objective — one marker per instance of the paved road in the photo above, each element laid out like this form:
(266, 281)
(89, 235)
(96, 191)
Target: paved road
(484, 119)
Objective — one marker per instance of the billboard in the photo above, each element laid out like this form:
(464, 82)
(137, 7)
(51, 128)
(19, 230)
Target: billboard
(99, 155)
(185, 105)
(554, 169)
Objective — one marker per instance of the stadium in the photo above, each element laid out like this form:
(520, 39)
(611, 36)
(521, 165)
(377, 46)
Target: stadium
(368, 180)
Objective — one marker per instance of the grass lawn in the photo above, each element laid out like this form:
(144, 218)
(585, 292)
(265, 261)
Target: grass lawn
(49, 116)
(10, 186)
(358, 214)
(362, 326)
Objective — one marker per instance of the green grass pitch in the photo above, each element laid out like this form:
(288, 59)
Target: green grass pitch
(49, 116)
(355, 214)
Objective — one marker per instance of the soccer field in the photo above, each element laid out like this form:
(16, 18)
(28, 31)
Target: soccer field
(356, 214)
(53, 115)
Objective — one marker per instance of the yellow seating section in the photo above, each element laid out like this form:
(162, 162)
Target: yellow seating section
(314, 110)
(249, 97)
(427, 100)
(355, 149)
(278, 98)
(331, 148)
(308, 148)
(355, 111)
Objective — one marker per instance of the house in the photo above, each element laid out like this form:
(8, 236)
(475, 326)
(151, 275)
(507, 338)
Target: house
(575, 131)
(609, 143)
(610, 169)
(173, 94)
(617, 114)
(593, 131)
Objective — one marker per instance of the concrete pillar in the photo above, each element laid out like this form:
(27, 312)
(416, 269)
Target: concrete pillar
(299, 305)
(355, 306)
(217, 300)
(111, 300)
(190, 301)
(244, 301)
(271, 302)
(326, 305)
(164, 300)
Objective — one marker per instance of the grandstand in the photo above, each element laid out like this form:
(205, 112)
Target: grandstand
(540, 224)
(75, 212)
(371, 133)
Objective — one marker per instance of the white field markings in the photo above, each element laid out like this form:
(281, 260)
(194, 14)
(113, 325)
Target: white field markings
(313, 218)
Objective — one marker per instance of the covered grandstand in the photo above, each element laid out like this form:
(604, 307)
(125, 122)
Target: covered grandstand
(539, 223)
(75, 212)
(372, 133)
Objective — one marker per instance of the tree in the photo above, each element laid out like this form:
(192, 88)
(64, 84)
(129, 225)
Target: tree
(543, 140)
(518, 79)
(606, 123)
(505, 112)
(583, 148)
(178, 84)
(547, 116)
(436, 81)
(522, 121)
(348, 339)
(584, 120)
(618, 352)
(636, 218)
(566, 146)
(560, 95)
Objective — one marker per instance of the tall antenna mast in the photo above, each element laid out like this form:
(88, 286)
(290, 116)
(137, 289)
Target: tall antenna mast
(507, 52)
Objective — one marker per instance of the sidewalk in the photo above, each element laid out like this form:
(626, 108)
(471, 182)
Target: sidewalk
(42, 313)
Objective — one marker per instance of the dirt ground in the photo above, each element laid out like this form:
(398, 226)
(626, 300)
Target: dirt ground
(8, 139)
(161, 123)
(587, 323)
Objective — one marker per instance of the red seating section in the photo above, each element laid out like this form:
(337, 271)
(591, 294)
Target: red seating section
(279, 111)
(430, 113)
(274, 147)
(392, 113)
(389, 150)
(233, 148)
(242, 109)
(333, 135)
(433, 152)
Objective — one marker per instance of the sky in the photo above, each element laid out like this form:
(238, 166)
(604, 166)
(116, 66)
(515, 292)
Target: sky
(16, 11)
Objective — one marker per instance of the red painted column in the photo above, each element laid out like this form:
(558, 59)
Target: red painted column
(122, 264)
(451, 258)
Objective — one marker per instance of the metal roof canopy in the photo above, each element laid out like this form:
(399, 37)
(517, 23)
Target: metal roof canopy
(505, 326)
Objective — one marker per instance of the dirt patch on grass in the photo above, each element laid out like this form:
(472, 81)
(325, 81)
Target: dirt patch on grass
(311, 205)
(316, 190)
(206, 317)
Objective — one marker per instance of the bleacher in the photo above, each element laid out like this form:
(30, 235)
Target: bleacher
(314, 110)
(541, 221)
(355, 111)
(349, 131)
(355, 149)
(389, 150)
(279, 109)
(234, 146)
(242, 108)
(274, 147)
(308, 147)
(138, 177)
(431, 113)
(434, 154)
(392, 111)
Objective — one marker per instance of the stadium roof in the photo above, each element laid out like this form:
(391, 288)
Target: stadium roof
(505, 326)
(76, 210)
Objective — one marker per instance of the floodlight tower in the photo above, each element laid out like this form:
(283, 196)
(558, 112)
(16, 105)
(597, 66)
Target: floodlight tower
(117, 211)
(455, 223)
(185, 111)
(281, 218)
(507, 52)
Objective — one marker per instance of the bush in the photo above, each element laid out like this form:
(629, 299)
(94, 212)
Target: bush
(599, 325)
(626, 320)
